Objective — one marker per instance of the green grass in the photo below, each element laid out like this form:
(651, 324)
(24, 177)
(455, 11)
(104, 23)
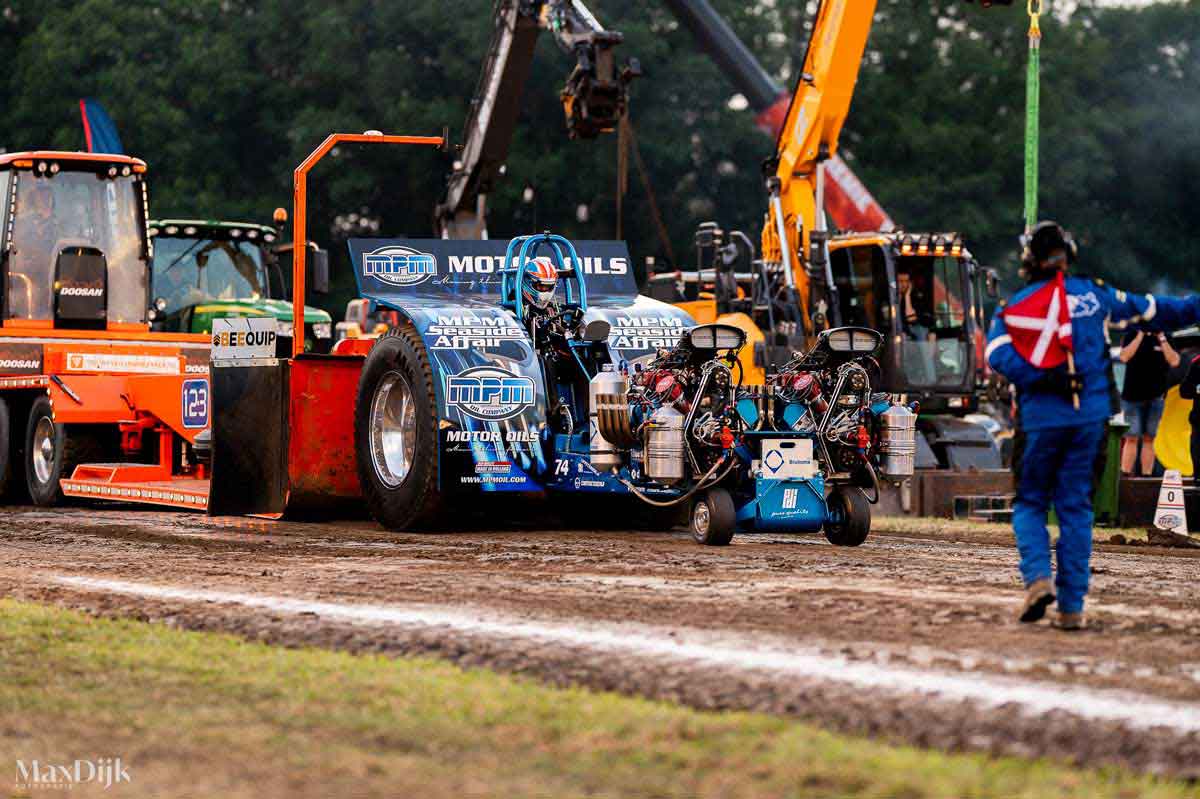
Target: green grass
(204, 714)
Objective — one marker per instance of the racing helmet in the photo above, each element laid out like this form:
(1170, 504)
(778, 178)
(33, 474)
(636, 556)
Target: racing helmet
(539, 282)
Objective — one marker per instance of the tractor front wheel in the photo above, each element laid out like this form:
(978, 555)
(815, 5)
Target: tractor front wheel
(713, 518)
(51, 453)
(396, 433)
(849, 517)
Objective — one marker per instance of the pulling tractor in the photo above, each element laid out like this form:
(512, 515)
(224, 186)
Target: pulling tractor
(598, 393)
(92, 402)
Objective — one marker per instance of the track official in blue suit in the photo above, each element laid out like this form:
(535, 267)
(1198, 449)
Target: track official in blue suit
(1060, 442)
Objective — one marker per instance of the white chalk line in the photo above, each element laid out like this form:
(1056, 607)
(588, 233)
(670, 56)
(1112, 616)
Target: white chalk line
(1034, 698)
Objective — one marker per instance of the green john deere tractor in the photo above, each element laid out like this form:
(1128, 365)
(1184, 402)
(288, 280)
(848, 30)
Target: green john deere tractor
(205, 269)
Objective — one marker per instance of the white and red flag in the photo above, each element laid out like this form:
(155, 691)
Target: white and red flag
(1040, 325)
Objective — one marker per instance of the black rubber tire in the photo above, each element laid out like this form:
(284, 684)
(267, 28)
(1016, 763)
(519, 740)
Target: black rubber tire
(6, 448)
(70, 449)
(713, 519)
(416, 503)
(855, 512)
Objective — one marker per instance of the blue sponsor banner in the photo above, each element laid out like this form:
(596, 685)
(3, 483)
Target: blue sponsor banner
(414, 271)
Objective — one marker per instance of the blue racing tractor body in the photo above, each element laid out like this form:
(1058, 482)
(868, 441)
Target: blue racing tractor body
(590, 389)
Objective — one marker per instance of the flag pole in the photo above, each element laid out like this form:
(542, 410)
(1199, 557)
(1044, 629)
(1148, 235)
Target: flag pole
(1071, 372)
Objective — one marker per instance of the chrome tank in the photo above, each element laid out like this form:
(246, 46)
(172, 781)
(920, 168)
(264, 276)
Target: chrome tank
(897, 442)
(664, 446)
(608, 387)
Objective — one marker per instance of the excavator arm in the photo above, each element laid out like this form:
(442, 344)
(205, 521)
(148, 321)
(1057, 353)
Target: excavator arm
(593, 98)
(595, 94)
(795, 233)
(848, 201)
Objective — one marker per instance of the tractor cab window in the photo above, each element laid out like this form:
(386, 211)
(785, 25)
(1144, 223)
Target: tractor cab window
(860, 274)
(75, 210)
(931, 313)
(190, 271)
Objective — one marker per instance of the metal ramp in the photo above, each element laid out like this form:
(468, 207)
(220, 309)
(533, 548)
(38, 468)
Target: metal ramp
(140, 483)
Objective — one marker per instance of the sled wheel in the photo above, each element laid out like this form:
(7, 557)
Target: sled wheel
(51, 453)
(713, 518)
(849, 517)
(395, 432)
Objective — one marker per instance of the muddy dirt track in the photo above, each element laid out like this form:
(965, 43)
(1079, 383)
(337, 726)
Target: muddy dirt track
(908, 637)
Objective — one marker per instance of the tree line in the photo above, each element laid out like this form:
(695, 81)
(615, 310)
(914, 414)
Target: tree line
(224, 97)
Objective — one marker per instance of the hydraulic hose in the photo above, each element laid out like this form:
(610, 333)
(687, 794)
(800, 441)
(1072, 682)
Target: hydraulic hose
(703, 483)
(874, 478)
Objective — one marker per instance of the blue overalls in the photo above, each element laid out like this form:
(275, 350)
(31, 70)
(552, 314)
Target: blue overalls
(1061, 445)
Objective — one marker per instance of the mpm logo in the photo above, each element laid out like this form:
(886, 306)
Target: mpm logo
(489, 393)
(399, 266)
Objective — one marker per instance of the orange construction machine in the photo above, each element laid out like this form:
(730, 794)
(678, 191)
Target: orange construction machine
(92, 404)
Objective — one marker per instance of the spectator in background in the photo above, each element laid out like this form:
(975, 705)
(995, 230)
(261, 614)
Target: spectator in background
(915, 315)
(1147, 358)
(1189, 389)
(916, 319)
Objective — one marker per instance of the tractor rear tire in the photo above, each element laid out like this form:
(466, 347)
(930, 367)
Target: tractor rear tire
(52, 453)
(853, 513)
(396, 433)
(713, 518)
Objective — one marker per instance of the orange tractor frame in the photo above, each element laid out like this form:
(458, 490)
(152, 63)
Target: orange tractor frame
(82, 377)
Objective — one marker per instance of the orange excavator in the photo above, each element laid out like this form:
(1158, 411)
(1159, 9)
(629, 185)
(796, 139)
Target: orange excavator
(923, 291)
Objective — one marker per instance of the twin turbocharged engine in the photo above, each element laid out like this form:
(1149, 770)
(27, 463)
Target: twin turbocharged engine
(683, 422)
(856, 430)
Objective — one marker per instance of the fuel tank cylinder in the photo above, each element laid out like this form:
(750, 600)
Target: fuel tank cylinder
(898, 442)
(664, 446)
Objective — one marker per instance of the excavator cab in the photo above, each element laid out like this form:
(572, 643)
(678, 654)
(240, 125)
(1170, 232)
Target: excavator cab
(920, 292)
(98, 405)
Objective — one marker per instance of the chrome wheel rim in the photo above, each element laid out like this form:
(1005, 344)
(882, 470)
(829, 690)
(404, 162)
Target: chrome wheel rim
(43, 450)
(701, 518)
(393, 429)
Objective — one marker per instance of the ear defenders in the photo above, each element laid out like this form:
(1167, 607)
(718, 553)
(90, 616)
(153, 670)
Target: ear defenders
(1043, 239)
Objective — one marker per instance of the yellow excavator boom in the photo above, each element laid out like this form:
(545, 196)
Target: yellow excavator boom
(810, 134)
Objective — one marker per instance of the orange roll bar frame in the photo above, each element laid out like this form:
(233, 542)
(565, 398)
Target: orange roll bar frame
(300, 211)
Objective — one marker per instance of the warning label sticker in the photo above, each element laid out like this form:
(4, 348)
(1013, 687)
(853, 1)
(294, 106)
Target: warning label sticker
(130, 364)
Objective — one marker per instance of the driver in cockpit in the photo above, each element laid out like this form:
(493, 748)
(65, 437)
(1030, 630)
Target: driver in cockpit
(538, 285)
